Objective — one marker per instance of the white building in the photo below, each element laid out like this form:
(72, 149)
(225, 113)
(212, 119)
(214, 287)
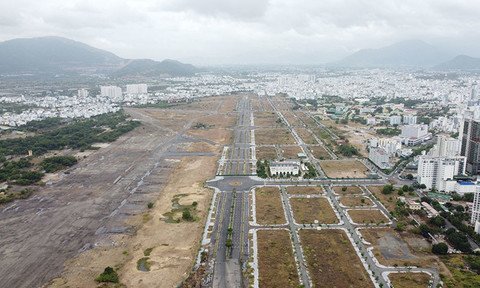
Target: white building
(137, 89)
(462, 187)
(476, 207)
(82, 93)
(112, 92)
(390, 145)
(290, 167)
(380, 158)
(371, 121)
(446, 147)
(409, 119)
(438, 172)
(415, 134)
(395, 120)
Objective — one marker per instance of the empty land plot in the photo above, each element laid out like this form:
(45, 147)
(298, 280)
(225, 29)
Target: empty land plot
(356, 201)
(276, 263)
(404, 249)
(266, 153)
(409, 280)
(344, 168)
(319, 152)
(332, 260)
(389, 201)
(306, 136)
(275, 136)
(373, 216)
(269, 206)
(266, 119)
(347, 190)
(307, 210)
(304, 190)
(292, 119)
(291, 152)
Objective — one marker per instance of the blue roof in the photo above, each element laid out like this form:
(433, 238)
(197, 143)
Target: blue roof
(465, 183)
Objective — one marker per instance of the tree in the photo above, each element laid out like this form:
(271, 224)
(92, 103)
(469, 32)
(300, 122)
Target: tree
(438, 221)
(108, 275)
(423, 186)
(440, 249)
(387, 189)
(409, 176)
(187, 215)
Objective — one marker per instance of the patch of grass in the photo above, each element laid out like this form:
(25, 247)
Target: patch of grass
(143, 264)
(148, 251)
(181, 212)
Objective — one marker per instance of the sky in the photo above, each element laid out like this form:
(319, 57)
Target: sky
(212, 32)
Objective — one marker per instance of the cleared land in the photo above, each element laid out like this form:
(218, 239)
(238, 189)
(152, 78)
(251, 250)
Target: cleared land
(344, 168)
(266, 119)
(306, 136)
(373, 216)
(266, 153)
(290, 152)
(274, 136)
(347, 190)
(332, 261)
(319, 152)
(276, 263)
(389, 201)
(269, 206)
(304, 190)
(307, 210)
(359, 201)
(409, 280)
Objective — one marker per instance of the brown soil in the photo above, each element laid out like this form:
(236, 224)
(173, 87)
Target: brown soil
(307, 210)
(269, 206)
(304, 190)
(372, 216)
(344, 168)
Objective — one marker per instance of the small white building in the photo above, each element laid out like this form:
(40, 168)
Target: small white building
(395, 120)
(371, 121)
(287, 167)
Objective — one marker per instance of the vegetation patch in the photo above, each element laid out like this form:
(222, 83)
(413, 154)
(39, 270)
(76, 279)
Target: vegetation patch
(108, 275)
(144, 264)
(309, 210)
(372, 216)
(359, 201)
(409, 280)
(56, 163)
(179, 212)
(269, 209)
(347, 190)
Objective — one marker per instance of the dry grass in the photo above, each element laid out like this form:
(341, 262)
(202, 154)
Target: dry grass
(291, 152)
(269, 206)
(276, 263)
(275, 136)
(306, 136)
(372, 216)
(319, 152)
(389, 201)
(352, 201)
(266, 153)
(304, 190)
(266, 119)
(307, 210)
(348, 191)
(332, 261)
(409, 280)
(344, 168)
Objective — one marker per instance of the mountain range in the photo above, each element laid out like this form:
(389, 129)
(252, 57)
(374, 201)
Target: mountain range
(61, 55)
(408, 54)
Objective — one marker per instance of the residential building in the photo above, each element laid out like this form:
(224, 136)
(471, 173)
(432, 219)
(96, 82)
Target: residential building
(439, 172)
(82, 93)
(409, 119)
(395, 120)
(446, 147)
(112, 92)
(390, 145)
(470, 147)
(287, 167)
(476, 206)
(137, 89)
(380, 158)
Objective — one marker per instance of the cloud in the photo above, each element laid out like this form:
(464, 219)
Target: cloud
(247, 31)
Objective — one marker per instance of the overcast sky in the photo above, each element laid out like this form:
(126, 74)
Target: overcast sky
(245, 31)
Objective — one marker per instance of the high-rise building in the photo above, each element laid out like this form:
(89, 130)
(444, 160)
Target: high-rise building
(438, 172)
(446, 147)
(112, 92)
(471, 145)
(409, 119)
(476, 207)
(395, 120)
(137, 89)
(82, 93)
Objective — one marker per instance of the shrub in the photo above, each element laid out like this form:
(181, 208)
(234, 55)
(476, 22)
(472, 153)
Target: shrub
(108, 275)
(440, 249)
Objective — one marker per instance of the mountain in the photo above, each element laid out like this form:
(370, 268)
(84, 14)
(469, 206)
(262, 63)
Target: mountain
(147, 67)
(57, 55)
(412, 53)
(460, 62)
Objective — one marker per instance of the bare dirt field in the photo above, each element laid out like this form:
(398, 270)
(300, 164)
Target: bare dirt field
(304, 190)
(269, 206)
(344, 168)
(319, 152)
(331, 259)
(358, 201)
(347, 190)
(275, 259)
(266, 119)
(307, 210)
(409, 280)
(274, 136)
(306, 136)
(404, 249)
(372, 216)
(266, 153)
(290, 152)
